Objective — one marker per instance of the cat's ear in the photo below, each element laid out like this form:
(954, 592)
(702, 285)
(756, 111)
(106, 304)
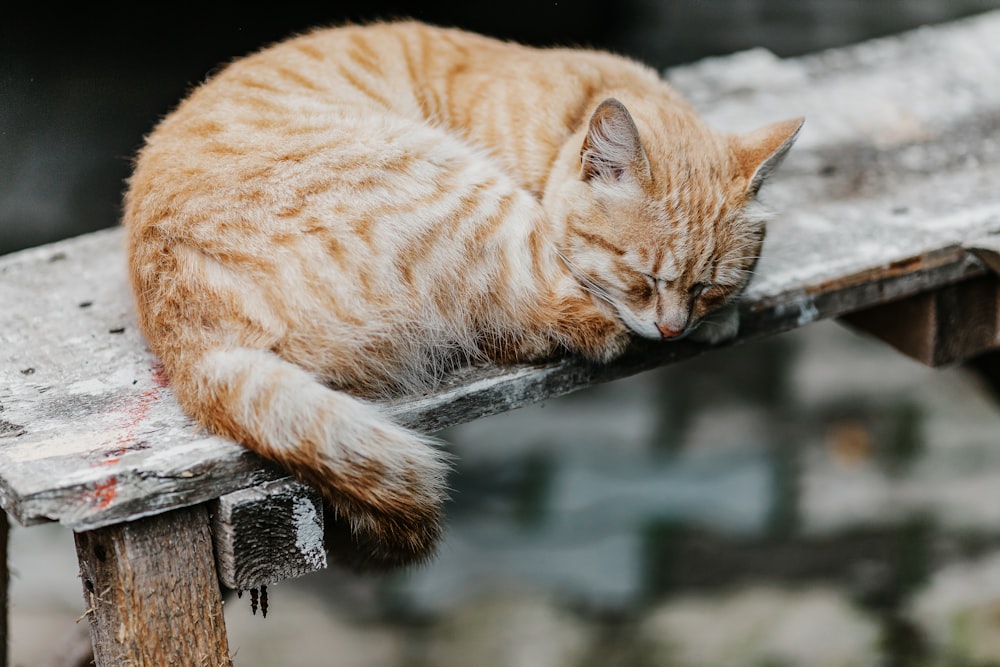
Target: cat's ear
(759, 152)
(612, 150)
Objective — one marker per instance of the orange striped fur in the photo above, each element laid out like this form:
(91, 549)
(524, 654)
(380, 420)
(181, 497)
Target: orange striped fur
(351, 213)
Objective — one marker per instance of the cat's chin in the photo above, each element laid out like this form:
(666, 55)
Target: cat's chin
(717, 327)
(652, 333)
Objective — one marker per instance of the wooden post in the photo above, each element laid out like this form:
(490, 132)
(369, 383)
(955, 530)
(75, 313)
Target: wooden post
(152, 594)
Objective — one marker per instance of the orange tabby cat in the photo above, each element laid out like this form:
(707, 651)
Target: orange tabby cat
(352, 212)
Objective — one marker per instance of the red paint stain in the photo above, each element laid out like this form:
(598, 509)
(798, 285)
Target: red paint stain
(105, 492)
(136, 411)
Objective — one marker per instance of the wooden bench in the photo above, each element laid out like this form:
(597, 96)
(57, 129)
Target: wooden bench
(888, 217)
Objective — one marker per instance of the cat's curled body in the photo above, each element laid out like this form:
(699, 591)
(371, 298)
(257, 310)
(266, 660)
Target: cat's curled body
(350, 213)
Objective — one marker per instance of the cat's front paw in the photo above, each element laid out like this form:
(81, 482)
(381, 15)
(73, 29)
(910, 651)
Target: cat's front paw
(718, 327)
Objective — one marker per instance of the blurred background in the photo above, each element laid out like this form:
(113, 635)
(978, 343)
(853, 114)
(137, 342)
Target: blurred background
(812, 499)
(79, 91)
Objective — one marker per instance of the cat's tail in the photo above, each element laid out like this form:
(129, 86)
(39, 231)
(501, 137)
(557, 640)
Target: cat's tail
(385, 484)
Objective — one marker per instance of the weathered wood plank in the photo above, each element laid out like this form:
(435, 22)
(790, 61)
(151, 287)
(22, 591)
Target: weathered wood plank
(268, 534)
(151, 592)
(890, 183)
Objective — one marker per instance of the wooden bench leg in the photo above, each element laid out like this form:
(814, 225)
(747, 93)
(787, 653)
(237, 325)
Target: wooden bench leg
(152, 594)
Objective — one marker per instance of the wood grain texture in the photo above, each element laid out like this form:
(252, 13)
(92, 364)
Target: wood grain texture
(151, 593)
(268, 534)
(890, 182)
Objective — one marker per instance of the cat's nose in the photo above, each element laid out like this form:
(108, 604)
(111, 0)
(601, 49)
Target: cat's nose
(668, 332)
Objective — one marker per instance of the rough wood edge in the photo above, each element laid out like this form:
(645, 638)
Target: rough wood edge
(268, 534)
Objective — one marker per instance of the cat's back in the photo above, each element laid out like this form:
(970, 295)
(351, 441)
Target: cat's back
(313, 191)
(408, 69)
(266, 118)
(264, 115)
(352, 70)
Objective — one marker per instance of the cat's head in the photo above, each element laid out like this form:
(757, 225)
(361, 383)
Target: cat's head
(662, 224)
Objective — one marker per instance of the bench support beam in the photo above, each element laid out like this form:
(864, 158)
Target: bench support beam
(151, 592)
(949, 325)
(268, 533)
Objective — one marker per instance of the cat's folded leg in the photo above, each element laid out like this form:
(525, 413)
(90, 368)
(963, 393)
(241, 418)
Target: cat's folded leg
(718, 326)
(579, 325)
